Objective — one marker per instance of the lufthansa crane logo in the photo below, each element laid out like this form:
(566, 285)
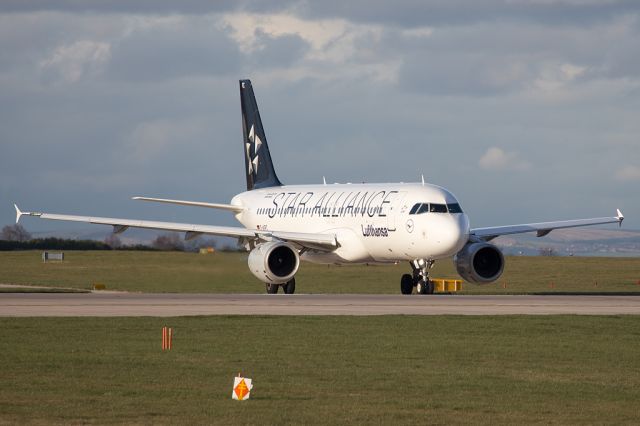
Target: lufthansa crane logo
(254, 145)
(409, 226)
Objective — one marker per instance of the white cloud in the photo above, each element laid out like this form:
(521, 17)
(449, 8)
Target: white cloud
(336, 47)
(497, 159)
(628, 174)
(71, 62)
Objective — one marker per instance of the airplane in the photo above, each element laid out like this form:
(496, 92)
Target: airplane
(367, 223)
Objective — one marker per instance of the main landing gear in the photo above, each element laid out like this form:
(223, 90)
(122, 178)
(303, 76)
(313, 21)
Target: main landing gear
(289, 287)
(419, 279)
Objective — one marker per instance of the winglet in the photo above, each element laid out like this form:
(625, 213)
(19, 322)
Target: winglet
(18, 213)
(620, 217)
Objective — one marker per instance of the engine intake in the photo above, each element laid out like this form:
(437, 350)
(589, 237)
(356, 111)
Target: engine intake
(479, 262)
(274, 262)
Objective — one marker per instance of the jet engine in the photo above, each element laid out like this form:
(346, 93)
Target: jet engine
(479, 262)
(275, 262)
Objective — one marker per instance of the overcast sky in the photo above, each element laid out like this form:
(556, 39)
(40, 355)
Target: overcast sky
(526, 110)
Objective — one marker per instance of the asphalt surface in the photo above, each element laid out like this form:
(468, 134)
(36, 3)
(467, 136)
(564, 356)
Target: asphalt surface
(105, 304)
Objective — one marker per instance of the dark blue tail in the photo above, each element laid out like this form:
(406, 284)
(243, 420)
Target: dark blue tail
(257, 159)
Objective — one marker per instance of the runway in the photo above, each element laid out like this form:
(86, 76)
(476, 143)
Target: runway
(99, 304)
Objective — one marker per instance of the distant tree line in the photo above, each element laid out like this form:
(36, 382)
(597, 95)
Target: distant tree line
(15, 237)
(53, 244)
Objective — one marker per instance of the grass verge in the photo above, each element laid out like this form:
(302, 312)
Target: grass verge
(228, 273)
(322, 370)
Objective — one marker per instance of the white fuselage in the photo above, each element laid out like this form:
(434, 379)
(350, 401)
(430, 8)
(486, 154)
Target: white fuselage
(374, 223)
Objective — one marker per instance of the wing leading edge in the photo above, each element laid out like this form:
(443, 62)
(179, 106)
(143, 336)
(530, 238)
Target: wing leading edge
(543, 228)
(230, 207)
(325, 242)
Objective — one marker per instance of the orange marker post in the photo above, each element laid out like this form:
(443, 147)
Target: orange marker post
(164, 338)
(167, 338)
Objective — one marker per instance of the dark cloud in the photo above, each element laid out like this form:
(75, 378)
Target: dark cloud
(469, 75)
(277, 51)
(182, 51)
(147, 7)
(406, 13)
(416, 13)
(120, 6)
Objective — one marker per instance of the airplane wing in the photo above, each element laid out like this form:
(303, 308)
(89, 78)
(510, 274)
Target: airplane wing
(543, 228)
(230, 207)
(324, 242)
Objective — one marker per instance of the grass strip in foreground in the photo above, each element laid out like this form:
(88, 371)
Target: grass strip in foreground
(322, 370)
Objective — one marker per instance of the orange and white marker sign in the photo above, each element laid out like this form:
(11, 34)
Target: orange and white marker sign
(167, 338)
(241, 388)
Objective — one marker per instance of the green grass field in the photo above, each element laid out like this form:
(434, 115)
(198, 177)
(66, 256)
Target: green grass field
(317, 370)
(228, 273)
(322, 370)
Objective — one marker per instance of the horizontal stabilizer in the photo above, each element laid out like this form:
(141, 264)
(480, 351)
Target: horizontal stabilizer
(229, 207)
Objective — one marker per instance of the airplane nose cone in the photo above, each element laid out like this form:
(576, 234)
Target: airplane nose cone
(452, 235)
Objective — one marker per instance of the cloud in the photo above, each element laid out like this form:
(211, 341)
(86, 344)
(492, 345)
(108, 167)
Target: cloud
(148, 91)
(150, 141)
(498, 160)
(628, 174)
(277, 51)
(412, 13)
(175, 47)
(71, 62)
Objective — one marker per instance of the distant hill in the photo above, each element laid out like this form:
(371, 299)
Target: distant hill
(577, 241)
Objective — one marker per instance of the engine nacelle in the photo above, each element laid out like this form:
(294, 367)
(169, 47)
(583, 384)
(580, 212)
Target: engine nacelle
(274, 262)
(479, 262)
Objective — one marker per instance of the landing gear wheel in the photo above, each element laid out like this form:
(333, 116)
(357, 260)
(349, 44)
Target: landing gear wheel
(430, 287)
(272, 288)
(422, 287)
(406, 284)
(290, 286)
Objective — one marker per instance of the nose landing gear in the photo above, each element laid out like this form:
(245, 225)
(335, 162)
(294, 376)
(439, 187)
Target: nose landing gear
(419, 279)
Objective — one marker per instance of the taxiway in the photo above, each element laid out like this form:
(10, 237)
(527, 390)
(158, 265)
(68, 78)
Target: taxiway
(100, 304)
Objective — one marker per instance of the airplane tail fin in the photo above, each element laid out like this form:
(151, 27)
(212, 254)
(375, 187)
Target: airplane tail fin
(257, 159)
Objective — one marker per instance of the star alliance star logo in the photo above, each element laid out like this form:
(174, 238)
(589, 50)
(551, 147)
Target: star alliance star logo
(255, 143)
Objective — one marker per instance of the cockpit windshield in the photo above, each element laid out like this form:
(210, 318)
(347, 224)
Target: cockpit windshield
(421, 208)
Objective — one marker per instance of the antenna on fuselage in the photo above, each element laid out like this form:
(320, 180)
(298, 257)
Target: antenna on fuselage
(422, 179)
(324, 180)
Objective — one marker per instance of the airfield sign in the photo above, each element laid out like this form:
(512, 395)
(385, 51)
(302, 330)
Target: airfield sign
(241, 388)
